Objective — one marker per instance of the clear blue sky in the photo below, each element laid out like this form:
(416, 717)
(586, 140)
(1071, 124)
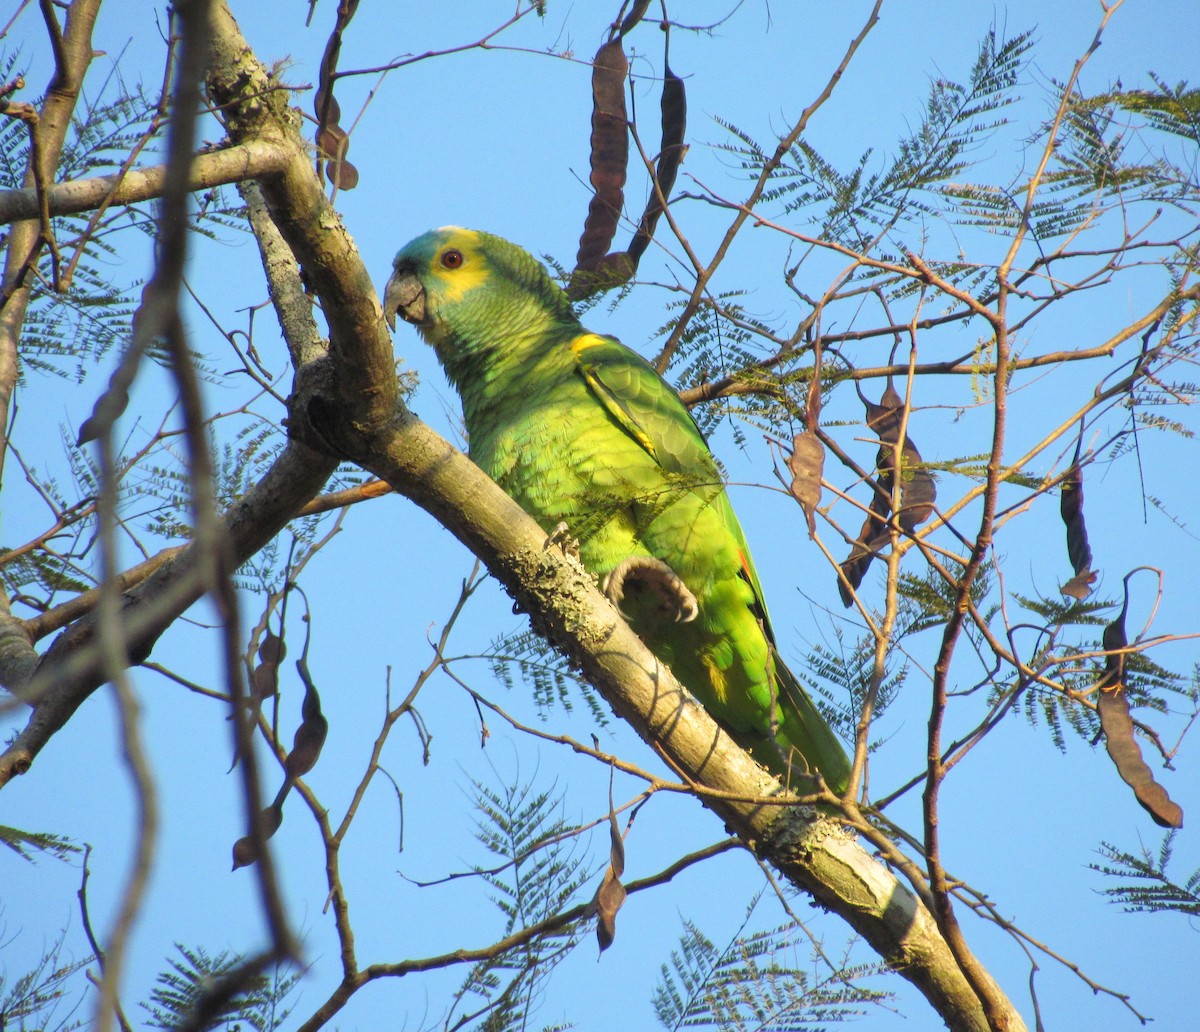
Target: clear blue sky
(498, 141)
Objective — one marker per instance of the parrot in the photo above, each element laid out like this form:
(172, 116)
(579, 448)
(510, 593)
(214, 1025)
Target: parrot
(587, 437)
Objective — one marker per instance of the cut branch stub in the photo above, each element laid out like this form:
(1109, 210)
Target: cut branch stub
(1115, 719)
(1078, 550)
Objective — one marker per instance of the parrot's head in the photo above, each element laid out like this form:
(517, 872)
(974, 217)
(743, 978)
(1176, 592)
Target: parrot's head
(467, 291)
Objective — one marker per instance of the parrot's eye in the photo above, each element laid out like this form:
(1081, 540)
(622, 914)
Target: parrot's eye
(452, 259)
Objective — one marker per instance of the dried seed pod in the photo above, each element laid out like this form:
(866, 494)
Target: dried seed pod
(807, 462)
(1117, 722)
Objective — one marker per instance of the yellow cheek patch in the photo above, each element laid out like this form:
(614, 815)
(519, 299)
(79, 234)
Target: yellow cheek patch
(455, 284)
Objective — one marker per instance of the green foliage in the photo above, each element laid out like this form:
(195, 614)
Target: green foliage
(23, 842)
(1147, 888)
(929, 600)
(104, 133)
(857, 207)
(1065, 611)
(1091, 168)
(747, 984)
(1058, 711)
(244, 463)
(544, 670)
(974, 467)
(839, 678)
(1148, 682)
(537, 876)
(48, 573)
(1169, 109)
(68, 333)
(1078, 668)
(718, 341)
(1174, 111)
(32, 1000)
(183, 991)
(241, 462)
(612, 296)
(1178, 338)
(265, 571)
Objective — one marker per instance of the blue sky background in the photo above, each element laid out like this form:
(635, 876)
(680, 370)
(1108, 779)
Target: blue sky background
(497, 140)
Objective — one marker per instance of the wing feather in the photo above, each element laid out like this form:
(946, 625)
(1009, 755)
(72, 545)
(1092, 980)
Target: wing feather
(642, 404)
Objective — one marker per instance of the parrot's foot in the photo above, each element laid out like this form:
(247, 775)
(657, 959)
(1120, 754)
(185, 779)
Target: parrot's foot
(656, 575)
(561, 536)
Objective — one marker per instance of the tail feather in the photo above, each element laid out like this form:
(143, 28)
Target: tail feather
(804, 730)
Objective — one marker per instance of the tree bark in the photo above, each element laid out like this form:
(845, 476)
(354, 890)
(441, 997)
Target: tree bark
(251, 160)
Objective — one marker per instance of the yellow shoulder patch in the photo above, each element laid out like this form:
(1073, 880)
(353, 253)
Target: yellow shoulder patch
(584, 341)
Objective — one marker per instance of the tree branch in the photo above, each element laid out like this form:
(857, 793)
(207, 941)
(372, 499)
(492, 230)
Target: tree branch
(73, 53)
(249, 160)
(70, 670)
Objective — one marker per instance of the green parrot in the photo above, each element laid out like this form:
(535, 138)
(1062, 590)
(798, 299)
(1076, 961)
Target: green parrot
(588, 438)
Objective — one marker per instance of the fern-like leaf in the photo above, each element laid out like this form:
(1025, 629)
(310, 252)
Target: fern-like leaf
(1146, 887)
(184, 988)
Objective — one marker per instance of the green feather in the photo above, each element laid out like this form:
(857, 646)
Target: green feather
(578, 428)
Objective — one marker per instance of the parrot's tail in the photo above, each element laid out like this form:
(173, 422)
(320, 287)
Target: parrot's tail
(809, 744)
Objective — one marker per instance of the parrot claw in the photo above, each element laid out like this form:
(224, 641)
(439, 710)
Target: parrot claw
(561, 536)
(657, 575)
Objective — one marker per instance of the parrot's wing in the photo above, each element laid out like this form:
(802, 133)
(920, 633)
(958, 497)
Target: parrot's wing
(642, 404)
(647, 409)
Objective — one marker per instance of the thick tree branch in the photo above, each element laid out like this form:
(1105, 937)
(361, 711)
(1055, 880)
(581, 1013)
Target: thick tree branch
(249, 160)
(71, 670)
(246, 94)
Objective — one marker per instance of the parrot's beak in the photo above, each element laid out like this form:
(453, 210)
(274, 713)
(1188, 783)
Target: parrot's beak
(404, 296)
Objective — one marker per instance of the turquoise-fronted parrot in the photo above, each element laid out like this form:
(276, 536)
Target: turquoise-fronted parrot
(585, 435)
